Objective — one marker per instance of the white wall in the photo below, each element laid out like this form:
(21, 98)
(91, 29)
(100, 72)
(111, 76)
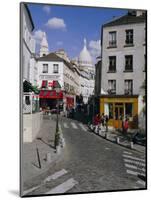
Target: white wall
(29, 63)
(50, 76)
(138, 57)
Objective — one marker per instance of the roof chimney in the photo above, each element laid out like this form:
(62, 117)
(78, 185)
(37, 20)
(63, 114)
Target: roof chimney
(140, 12)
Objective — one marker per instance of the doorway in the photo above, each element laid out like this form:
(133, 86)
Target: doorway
(119, 114)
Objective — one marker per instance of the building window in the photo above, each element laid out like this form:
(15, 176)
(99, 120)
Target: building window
(129, 37)
(112, 63)
(128, 87)
(112, 86)
(110, 110)
(112, 39)
(27, 100)
(55, 68)
(45, 68)
(129, 63)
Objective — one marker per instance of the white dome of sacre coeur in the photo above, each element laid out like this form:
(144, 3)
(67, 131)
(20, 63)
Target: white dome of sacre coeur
(85, 57)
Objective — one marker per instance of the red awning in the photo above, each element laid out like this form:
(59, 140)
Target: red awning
(50, 94)
(44, 83)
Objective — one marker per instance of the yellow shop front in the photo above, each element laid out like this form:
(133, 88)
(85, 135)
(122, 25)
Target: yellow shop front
(118, 107)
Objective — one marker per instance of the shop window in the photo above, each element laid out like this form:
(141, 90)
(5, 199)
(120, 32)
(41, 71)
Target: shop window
(110, 111)
(128, 109)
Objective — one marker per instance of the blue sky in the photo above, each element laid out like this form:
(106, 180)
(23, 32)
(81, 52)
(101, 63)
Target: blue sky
(67, 26)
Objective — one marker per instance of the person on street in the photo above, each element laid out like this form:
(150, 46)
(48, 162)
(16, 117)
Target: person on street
(125, 126)
(97, 122)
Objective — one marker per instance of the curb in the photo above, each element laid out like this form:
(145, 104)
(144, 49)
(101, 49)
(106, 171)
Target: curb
(117, 141)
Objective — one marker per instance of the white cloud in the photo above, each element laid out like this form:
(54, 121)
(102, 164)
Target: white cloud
(47, 9)
(56, 23)
(95, 48)
(59, 43)
(38, 35)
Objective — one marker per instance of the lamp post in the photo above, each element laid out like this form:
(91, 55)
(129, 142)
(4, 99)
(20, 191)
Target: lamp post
(57, 134)
(57, 93)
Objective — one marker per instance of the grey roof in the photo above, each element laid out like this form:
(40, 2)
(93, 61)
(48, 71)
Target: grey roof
(126, 19)
(54, 57)
(50, 57)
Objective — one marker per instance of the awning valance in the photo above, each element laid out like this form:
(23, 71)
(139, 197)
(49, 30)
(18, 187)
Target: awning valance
(50, 94)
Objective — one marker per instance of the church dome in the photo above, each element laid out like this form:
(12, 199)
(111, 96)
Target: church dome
(85, 57)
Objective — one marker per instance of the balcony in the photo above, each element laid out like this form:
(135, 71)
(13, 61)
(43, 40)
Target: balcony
(55, 72)
(44, 71)
(128, 92)
(112, 44)
(111, 91)
(129, 43)
(128, 68)
(112, 69)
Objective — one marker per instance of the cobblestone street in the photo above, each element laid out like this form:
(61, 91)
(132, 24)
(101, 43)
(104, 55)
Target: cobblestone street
(91, 163)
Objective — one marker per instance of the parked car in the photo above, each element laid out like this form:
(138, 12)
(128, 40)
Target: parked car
(139, 138)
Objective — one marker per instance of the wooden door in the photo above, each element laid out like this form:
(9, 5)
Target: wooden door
(118, 115)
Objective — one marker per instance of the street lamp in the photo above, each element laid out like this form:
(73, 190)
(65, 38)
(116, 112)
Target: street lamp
(57, 93)
(57, 135)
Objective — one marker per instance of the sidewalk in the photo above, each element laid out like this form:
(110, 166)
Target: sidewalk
(34, 164)
(120, 139)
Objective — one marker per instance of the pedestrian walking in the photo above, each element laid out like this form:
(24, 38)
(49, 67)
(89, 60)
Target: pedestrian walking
(125, 126)
(97, 123)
